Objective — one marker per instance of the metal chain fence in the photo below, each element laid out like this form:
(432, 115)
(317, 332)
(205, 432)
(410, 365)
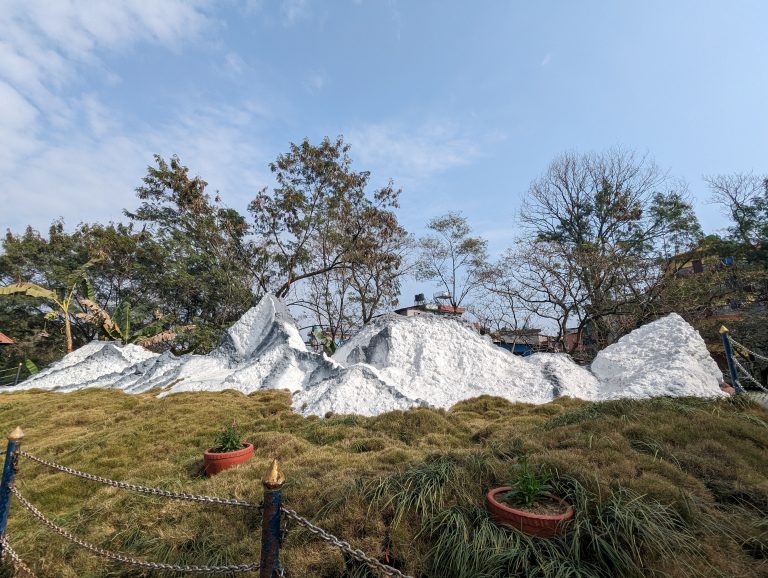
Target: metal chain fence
(745, 348)
(345, 547)
(16, 561)
(290, 514)
(142, 489)
(192, 569)
(748, 376)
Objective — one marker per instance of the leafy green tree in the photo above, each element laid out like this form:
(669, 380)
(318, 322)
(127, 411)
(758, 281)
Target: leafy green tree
(61, 302)
(196, 263)
(319, 216)
(452, 257)
(42, 285)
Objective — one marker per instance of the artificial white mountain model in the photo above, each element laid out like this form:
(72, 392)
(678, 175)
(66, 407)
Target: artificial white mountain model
(394, 363)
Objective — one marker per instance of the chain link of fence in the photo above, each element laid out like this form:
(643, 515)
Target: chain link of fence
(114, 556)
(748, 350)
(16, 561)
(142, 489)
(748, 376)
(345, 547)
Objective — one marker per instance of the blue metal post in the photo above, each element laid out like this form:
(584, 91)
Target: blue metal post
(729, 359)
(270, 522)
(9, 469)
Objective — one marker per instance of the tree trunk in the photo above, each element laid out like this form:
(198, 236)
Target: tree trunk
(68, 332)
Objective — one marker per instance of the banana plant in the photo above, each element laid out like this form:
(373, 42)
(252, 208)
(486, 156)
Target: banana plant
(31, 366)
(117, 325)
(61, 299)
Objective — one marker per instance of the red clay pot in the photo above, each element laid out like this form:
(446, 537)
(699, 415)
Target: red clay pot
(727, 388)
(532, 524)
(215, 462)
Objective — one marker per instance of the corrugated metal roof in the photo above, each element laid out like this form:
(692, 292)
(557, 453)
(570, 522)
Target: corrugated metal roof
(5, 340)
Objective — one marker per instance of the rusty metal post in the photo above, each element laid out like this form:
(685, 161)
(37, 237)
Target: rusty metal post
(9, 469)
(273, 482)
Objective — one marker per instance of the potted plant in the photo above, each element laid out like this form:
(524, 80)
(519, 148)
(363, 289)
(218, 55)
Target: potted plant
(527, 504)
(228, 451)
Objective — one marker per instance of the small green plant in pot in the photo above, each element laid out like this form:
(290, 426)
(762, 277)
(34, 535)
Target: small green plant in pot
(527, 504)
(529, 487)
(228, 451)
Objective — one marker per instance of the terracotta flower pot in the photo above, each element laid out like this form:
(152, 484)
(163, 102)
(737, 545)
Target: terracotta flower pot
(215, 462)
(545, 526)
(728, 388)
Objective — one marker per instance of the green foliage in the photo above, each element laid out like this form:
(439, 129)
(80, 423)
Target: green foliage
(195, 262)
(93, 262)
(617, 534)
(328, 344)
(31, 367)
(451, 257)
(420, 490)
(59, 300)
(229, 439)
(185, 260)
(744, 197)
(528, 486)
(320, 218)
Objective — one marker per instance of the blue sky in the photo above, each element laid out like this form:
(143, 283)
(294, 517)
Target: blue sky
(461, 104)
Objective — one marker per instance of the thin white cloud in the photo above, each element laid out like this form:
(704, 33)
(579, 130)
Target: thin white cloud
(218, 144)
(93, 174)
(546, 60)
(412, 153)
(234, 65)
(294, 10)
(18, 127)
(315, 82)
(43, 45)
(69, 154)
(77, 27)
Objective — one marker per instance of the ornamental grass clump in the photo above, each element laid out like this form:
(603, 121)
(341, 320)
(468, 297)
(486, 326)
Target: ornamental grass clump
(659, 487)
(229, 439)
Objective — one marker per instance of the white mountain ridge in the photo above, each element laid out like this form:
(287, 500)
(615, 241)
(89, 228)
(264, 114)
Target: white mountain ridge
(393, 363)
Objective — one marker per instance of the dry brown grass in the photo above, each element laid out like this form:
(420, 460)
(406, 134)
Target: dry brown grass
(704, 460)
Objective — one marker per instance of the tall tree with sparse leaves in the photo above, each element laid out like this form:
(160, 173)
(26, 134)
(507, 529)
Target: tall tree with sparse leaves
(452, 257)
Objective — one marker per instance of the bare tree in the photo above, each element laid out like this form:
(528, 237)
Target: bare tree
(602, 230)
(744, 196)
(543, 285)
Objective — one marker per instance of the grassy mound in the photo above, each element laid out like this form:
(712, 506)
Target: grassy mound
(675, 487)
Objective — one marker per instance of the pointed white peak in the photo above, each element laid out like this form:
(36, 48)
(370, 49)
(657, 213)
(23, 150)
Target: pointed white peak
(665, 357)
(266, 324)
